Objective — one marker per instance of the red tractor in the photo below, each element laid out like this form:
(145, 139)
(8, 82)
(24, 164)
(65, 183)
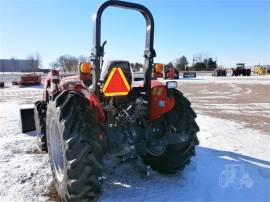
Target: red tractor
(170, 72)
(102, 110)
(220, 72)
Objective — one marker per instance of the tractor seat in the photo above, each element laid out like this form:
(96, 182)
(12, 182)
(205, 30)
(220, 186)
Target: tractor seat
(110, 64)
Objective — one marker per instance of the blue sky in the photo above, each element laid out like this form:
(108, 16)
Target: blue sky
(229, 31)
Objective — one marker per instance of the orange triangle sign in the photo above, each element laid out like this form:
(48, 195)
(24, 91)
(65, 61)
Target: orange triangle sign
(116, 84)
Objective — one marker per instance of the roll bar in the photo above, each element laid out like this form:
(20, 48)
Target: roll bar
(98, 49)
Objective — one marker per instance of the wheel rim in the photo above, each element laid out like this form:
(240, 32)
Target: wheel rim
(37, 124)
(157, 145)
(56, 151)
(38, 129)
(156, 148)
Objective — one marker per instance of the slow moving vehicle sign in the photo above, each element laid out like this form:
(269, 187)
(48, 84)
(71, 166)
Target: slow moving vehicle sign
(116, 83)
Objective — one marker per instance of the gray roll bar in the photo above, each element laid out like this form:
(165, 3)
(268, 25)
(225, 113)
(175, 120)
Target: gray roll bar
(98, 49)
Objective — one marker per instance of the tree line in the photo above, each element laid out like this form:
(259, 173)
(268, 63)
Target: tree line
(68, 63)
(200, 62)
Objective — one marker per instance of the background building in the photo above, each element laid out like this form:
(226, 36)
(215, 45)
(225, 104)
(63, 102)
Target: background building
(17, 65)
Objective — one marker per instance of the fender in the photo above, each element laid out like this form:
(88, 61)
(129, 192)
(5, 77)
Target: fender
(160, 102)
(74, 83)
(50, 84)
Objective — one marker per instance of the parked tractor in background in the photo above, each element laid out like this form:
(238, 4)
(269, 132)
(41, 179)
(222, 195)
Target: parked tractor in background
(158, 71)
(103, 111)
(170, 72)
(240, 70)
(220, 72)
(28, 80)
(260, 70)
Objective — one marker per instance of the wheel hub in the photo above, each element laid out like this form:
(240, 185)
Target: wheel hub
(56, 151)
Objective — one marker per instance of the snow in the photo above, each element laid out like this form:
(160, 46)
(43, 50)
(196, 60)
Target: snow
(231, 136)
(264, 80)
(232, 164)
(25, 174)
(240, 154)
(239, 108)
(200, 181)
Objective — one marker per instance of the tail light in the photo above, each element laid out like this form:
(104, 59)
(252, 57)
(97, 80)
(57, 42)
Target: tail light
(85, 68)
(55, 76)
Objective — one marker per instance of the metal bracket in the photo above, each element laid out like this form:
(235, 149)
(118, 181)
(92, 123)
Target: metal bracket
(149, 53)
(142, 168)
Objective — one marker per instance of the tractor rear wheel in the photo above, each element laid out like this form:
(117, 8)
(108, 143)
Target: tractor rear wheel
(176, 156)
(74, 148)
(40, 123)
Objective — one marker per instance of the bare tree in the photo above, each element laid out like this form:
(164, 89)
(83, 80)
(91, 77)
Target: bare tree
(38, 59)
(32, 65)
(82, 58)
(198, 57)
(66, 63)
(55, 65)
(181, 63)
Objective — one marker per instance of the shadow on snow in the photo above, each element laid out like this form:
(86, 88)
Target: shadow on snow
(213, 175)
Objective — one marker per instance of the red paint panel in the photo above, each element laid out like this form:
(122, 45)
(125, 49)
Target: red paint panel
(160, 103)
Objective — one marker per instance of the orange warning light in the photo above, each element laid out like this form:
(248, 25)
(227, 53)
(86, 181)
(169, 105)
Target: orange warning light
(85, 68)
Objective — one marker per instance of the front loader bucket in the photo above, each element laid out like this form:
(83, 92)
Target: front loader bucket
(27, 119)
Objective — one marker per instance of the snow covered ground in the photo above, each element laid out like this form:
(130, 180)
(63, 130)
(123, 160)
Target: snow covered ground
(265, 79)
(232, 163)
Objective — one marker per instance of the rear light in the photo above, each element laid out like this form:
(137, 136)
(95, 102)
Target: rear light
(55, 72)
(171, 84)
(159, 67)
(55, 75)
(85, 68)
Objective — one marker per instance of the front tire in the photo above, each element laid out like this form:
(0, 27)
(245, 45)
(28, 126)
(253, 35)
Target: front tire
(74, 149)
(176, 156)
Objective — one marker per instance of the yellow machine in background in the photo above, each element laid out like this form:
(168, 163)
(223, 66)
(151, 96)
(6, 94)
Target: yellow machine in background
(158, 70)
(260, 70)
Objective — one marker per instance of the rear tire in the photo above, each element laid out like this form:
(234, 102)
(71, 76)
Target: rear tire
(176, 156)
(40, 123)
(74, 148)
